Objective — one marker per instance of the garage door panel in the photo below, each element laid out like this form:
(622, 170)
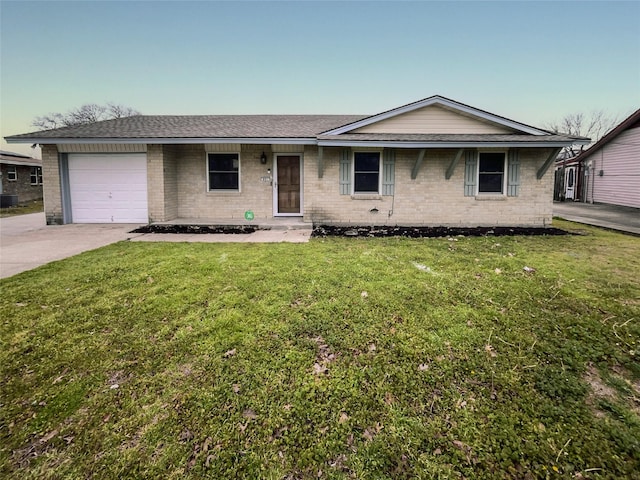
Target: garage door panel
(92, 215)
(108, 188)
(121, 215)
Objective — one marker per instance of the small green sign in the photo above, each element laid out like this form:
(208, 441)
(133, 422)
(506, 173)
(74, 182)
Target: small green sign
(248, 215)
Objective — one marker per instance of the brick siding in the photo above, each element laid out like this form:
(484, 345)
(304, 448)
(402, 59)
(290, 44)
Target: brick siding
(177, 188)
(22, 186)
(429, 199)
(51, 187)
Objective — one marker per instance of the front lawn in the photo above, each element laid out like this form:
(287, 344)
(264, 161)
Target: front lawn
(34, 206)
(340, 358)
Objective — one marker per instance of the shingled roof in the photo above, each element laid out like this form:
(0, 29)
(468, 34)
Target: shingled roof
(199, 126)
(12, 158)
(323, 130)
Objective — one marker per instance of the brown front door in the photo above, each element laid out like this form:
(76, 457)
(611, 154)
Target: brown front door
(288, 186)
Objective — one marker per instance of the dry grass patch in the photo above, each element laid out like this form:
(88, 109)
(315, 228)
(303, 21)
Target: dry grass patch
(35, 206)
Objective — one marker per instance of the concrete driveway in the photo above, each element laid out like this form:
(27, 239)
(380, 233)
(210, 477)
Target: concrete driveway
(26, 241)
(614, 217)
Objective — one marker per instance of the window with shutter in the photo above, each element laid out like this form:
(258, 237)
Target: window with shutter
(491, 172)
(366, 172)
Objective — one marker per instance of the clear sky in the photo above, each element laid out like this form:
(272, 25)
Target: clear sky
(530, 61)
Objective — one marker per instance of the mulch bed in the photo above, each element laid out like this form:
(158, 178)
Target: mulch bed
(351, 231)
(196, 229)
(420, 232)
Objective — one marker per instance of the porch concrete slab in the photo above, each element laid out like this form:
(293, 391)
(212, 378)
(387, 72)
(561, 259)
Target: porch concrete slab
(614, 217)
(273, 223)
(295, 235)
(27, 242)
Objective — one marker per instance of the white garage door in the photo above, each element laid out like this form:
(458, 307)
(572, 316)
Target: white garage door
(108, 188)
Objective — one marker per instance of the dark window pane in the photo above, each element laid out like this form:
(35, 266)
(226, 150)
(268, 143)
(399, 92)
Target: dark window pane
(223, 162)
(223, 171)
(367, 161)
(492, 162)
(491, 172)
(490, 183)
(366, 182)
(223, 181)
(366, 168)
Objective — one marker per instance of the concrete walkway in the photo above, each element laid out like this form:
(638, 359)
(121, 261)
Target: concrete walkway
(624, 219)
(296, 235)
(26, 242)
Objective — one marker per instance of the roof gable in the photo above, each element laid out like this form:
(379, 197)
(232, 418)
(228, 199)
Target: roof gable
(434, 119)
(459, 116)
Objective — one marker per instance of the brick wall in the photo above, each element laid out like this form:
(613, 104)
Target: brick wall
(155, 183)
(170, 182)
(51, 185)
(177, 187)
(162, 184)
(22, 186)
(429, 199)
(195, 202)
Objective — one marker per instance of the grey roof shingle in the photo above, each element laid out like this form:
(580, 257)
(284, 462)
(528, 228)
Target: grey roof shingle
(200, 126)
(12, 158)
(176, 128)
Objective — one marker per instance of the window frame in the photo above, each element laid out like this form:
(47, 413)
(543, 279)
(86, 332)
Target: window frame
(12, 171)
(208, 173)
(37, 174)
(503, 186)
(353, 172)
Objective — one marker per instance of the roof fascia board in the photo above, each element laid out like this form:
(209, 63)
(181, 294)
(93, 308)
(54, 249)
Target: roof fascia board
(292, 141)
(347, 143)
(437, 100)
(165, 141)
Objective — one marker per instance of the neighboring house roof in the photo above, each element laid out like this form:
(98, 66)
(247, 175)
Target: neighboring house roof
(632, 121)
(327, 130)
(11, 158)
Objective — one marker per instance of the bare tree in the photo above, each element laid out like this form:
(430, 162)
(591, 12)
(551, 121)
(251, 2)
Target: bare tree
(88, 113)
(594, 126)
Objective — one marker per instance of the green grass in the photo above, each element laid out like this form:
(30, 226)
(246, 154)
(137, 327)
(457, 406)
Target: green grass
(22, 209)
(341, 358)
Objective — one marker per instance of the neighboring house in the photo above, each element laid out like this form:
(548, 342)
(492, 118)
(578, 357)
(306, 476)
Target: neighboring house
(21, 176)
(609, 171)
(569, 178)
(432, 162)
